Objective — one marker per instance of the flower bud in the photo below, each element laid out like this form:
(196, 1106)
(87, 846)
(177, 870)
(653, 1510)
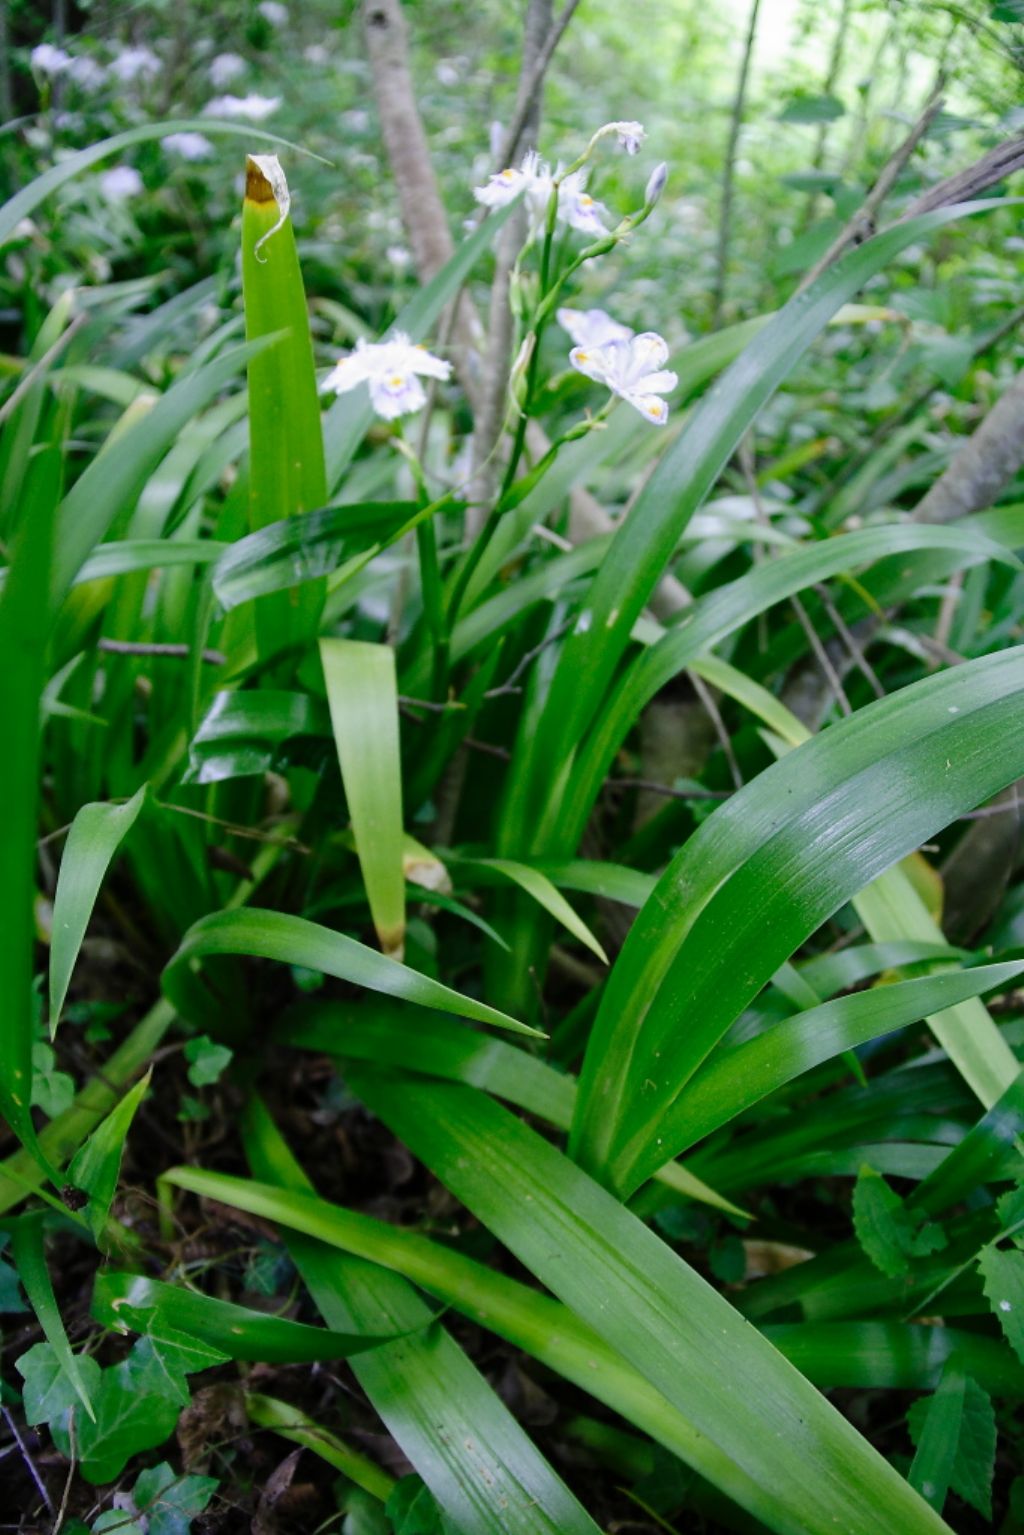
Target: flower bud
(656, 185)
(517, 384)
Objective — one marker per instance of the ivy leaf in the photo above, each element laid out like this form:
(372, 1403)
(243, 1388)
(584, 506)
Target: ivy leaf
(889, 1233)
(53, 1091)
(955, 1431)
(1003, 1279)
(47, 1391)
(170, 1502)
(207, 1060)
(117, 1519)
(136, 1404)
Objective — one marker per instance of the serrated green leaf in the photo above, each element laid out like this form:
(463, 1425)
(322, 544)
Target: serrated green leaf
(955, 1435)
(887, 1231)
(1011, 1210)
(1002, 1276)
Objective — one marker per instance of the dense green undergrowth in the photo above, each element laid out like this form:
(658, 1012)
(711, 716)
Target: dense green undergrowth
(524, 1010)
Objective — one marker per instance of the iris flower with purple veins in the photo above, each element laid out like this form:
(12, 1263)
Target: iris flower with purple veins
(392, 369)
(578, 208)
(591, 327)
(533, 177)
(633, 369)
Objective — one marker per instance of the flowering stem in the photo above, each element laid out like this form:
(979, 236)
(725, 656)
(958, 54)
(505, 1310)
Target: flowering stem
(430, 574)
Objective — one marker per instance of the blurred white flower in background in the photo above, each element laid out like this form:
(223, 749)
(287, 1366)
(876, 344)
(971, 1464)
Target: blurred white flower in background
(225, 68)
(135, 64)
(398, 256)
(316, 53)
(87, 74)
(48, 60)
(253, 107)
(447, 73)
(391, 369)
(120, 183)
(190, 146)
(355, 120)
(591, 327)
(633, 369)
(274, 12)
(578, 208)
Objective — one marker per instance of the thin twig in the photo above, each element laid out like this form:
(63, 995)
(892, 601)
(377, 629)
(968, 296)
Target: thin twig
(947, 609)
(668, 790)
(509, 685)
(487, 749)
(531, 85)
(29, 377)
(729, 169)
(993, 167)
(72, 1463)
(849, 639)
(862, 224)
(148, 648)
(707, 698)
(237, 831)
(821, 655)
(27, 1458)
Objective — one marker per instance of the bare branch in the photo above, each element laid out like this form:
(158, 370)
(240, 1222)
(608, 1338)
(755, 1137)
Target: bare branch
(993, 167)
(862, 224)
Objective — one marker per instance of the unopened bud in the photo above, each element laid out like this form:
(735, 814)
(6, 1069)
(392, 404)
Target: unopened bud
(518, 382)
(656, 185)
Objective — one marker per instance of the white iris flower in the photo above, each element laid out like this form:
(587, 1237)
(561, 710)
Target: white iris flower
(575, 206)
(533, 177)
(591, 327)
(135, 64)
(190, 146)
(120, 183)
(86, 73)
(254, 107)
(48, 60)
(578, 208)
(633, 369)
(392, 369)
(225, 68)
